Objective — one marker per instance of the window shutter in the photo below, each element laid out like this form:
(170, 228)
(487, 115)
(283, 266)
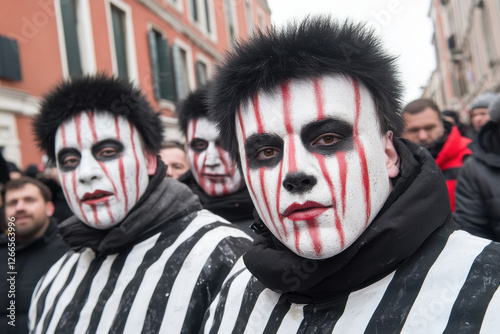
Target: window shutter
(201, 75)
(68, 11)
(118, 18)
(178, 73)
(10, 66)
(165, 70)
(153, 52)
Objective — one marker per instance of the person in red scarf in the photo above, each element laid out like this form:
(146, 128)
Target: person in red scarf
(424, 126)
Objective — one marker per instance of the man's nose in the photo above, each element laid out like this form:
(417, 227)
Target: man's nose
(89, 169)
(422, 135)
(299, 182)
(20, 206)
(213, 158)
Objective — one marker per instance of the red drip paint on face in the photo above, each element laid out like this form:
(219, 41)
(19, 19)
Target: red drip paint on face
(63, 175)
(263, 190)
(249, 179)
(94, 211)
(343, 178)
(278, 198)
(78, 130)
(287, 115)
(109, 211)
(73, 174)
(296, 232)
(120, 166)
(256, 109)
(319, 98)
(137, 166)
(227, 169)
(196, 158)
(338, 225)
(361, 152)
(94, 138)
(313, 229)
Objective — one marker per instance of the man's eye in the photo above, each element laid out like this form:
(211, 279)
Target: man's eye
(266, 153)
(200, 145)
(326, 139)
(107, 152)
(71, 161)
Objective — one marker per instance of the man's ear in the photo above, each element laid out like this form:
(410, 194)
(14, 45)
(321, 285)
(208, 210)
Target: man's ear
(391, 155)
(151, 162)
(49, 208)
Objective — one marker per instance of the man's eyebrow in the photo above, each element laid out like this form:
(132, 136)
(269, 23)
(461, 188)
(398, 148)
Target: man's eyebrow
(262, 139)
(326, 125)
(66, 151)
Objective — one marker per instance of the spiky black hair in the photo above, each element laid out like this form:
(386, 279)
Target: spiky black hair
(317, 46)
(194, 105)
(99, 93)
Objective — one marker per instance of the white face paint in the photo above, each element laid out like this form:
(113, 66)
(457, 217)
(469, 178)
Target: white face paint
(314, 160)
(211, 166)
(102, 167)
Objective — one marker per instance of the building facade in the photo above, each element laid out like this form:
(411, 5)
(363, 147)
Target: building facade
(166, 47)
(467, 42)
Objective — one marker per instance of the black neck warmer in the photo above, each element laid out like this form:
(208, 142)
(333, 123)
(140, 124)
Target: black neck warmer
(416, 208)
(164, 201)
(233, 207)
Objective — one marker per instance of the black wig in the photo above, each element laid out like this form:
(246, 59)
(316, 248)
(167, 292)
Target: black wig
(99, 93)
(317, 46)
(194, 105)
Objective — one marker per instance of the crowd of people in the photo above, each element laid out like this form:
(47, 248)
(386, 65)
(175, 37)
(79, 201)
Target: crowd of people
(305, 199)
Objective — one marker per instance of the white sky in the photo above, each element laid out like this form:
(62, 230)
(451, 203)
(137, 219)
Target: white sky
(403, 25)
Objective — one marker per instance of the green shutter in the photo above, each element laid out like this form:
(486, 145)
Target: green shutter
(201, 74)
(120, 42)
(179, 73)
(207, 17)
(68, 11)
(194, 9)
(165, 70)
(153, 52)
(10, 66)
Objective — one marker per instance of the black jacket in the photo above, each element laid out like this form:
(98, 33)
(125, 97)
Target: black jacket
(478, 187)
(32, 261)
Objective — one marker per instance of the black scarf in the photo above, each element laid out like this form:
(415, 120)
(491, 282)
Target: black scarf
(233, 207)
(164, 201)
(415, 209)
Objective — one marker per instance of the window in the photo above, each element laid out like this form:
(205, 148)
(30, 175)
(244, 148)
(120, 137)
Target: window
(121, 39)
(181, 72)
(10, 65)
(200, 15)
(488, 35)
(231, 21)
(70, 26)
(75, 37)
(201, 73)
(249, 16)
(161, 66)
(118, 21)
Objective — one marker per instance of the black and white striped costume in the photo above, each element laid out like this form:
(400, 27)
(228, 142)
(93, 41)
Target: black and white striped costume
(448, 284)
(160, 283)
(426, 295)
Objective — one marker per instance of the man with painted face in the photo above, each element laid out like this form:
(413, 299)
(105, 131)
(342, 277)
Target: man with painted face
(145, 258)
(357, 234)
(213, 175)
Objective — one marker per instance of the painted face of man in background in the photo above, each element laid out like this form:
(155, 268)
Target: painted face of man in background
(210, 163)
(315, 162)
(102, 167)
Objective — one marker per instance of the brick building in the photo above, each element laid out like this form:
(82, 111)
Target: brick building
(167, 47)
(467, 42)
